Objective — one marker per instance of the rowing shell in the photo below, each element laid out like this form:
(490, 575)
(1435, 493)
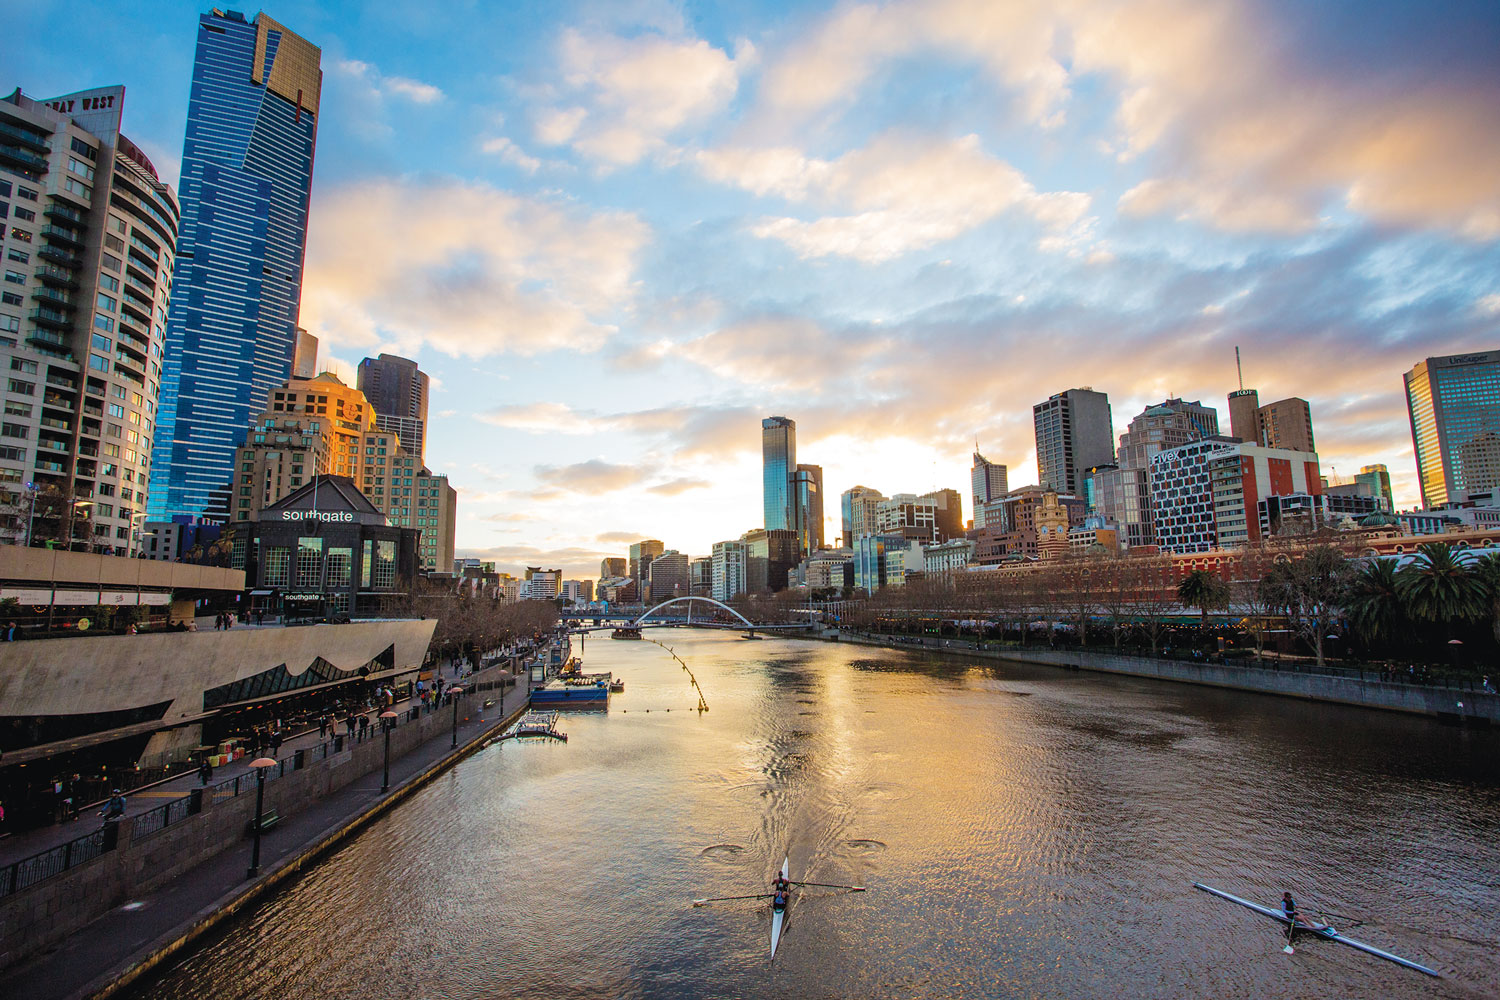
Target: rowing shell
(1323, 932)
(778, 915)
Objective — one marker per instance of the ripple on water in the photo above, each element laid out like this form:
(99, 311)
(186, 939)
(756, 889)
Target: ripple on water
(722, 852)
(861, 848)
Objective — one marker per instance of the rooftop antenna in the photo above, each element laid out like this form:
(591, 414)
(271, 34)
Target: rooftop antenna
(1238, 370)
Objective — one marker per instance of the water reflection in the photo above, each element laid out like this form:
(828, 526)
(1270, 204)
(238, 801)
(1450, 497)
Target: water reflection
(1022, 831)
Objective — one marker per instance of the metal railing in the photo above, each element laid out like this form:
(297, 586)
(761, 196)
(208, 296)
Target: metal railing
(28, 872)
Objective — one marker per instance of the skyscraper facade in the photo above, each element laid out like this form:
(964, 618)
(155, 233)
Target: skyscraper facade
(1166, 425)
(807, 491)
(778, 446)
(397, 389)
(1073, 434)
(641, 554)
(989, 481)
(89, 234)
(1287, 424)
(1454, 404)
(1244, 415)
(857, 512)
(1378, 479)
(247, 162)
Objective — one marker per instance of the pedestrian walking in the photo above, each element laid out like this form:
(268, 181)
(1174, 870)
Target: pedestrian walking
(323, 725)
(364, 723)
(276, 740)
(205, 770)
(10, 631)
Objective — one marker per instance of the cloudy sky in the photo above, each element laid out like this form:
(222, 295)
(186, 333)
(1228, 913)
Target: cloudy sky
(619, 233)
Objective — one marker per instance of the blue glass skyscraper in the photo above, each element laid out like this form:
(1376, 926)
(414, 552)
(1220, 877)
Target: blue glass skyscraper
(778, 444)
(247, 163)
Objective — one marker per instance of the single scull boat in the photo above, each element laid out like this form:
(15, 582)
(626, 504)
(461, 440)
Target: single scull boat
(1324, 931)
(778, 909)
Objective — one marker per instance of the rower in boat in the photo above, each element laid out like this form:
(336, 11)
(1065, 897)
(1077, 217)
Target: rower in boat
(1294, 917)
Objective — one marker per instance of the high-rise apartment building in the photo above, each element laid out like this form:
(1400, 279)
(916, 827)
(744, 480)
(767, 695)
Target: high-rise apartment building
(1073, 434)
(541, 584)
(320, 426)
(857, 512)
(778, 445)
(611, 567)
(701, 576)
(769, 556)
(728, 573)
(807, 491)
(397, 390)
(1378, 479)
(668, 576)
(1166, 425)
(89, 233)
(989, 482)
(1454, 405)
(247, 163)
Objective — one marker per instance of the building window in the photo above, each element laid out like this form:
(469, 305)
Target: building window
(340, 565)
(79, 188)
(277, 559)
(385, 565)
(20, 234)
(309, 562)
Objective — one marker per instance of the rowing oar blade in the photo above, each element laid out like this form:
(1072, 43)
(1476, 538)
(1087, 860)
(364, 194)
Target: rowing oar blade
(720, 899)
(830, 885)
(1290, 930)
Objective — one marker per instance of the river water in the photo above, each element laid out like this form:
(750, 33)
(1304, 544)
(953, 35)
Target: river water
(1022, 832)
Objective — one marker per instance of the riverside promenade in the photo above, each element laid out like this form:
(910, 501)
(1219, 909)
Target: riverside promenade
(168, 884)
(1338, 685)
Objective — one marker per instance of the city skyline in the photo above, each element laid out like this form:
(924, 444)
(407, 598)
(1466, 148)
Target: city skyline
(618, 239)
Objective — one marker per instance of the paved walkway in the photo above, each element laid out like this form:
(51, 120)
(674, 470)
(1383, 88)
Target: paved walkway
(122, 938)
(19, 846)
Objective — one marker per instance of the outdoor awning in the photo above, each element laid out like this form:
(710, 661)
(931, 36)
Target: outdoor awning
(261, 593)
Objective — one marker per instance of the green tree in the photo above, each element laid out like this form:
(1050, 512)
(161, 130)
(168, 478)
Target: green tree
(1376, 608)
(1205, 590)
(1487, 572)
(1438, 588)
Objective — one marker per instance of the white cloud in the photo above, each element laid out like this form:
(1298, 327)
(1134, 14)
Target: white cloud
(626, 95)
(465, 268)
(510, 153)
(378, 85)
(901, 193)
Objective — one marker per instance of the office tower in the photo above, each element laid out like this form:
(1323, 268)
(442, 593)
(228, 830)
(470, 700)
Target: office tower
(1166, 425)
(397, 389)
(701, 576)
(989, 484)
(668, 576)
(1073, 433)
(768, 557)
(778, 445)
(1206, 494)
(1287, 424)
(857, 512)
(948, 514)
(247, 163)
(611, 567)
(88, 244)
(1244, 415)
(807, 492)
(1378, 479)
(1454, 405)
(641, 554)
(305, 358)
(541, 584)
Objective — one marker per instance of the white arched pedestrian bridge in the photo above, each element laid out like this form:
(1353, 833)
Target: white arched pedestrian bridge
(643, 620)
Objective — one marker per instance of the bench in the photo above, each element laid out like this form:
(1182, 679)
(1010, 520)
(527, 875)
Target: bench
(268, 821)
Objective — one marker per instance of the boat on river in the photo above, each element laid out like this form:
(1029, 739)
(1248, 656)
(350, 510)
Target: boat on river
(778, 912)
(577, 689)
(626, 632)
(1325, 931)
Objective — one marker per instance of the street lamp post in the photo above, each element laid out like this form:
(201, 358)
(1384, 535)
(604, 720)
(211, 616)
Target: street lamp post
(455, 692)
(260, 764)
(33, 489)
(388, 720)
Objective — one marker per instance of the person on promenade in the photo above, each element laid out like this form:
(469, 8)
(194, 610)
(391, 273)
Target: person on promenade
(323, 725)
(276, 740)
(364, 723)
(114, 809)
(10, 631)
(205, 771)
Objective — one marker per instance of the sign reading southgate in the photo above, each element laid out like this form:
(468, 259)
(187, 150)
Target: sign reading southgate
(317, 515)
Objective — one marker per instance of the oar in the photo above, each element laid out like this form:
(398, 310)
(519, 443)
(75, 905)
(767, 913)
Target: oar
(830, 885)
(720, 899)
(1290, 930)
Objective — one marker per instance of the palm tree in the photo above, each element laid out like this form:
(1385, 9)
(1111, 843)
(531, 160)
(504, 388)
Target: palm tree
(1375, 607)
(1487, 572)
(1203, 589)
(1438, 588)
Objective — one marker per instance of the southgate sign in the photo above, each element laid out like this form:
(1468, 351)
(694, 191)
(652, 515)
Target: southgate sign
(317, 515)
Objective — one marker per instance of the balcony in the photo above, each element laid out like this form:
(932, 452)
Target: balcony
(50, 444)
(44, 337)
(44, 466)
(43, 293)
(58, 402)
(59, 276)
(29, 163)
(59, 256)
(61, 425)
(136, 309)
(60, 234)
(26, 137)
(57, 210)
(64, 382)
(52, 318)
(142, 276)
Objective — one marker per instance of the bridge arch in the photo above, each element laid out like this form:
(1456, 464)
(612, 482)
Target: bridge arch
(706, 600)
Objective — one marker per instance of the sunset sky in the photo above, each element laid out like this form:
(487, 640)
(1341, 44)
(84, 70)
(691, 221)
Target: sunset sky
(618, 234)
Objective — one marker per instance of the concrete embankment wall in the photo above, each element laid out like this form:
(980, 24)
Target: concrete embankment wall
(41, 915)
(1447, 703)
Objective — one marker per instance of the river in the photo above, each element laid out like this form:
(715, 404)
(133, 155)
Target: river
(1021, 831)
